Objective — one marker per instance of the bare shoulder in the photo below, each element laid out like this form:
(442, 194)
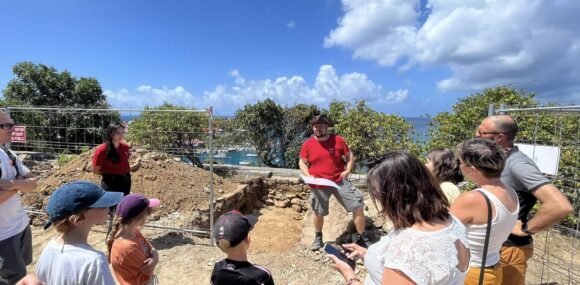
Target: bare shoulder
(468, 199)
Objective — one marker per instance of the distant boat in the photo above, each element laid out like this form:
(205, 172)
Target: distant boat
(245, 162)
(221, 154)
(230, 149)
(251, 155)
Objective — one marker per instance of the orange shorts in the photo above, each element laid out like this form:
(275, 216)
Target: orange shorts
(491, 276)
(514, 263)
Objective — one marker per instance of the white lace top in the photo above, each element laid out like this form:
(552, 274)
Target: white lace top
(425, 257)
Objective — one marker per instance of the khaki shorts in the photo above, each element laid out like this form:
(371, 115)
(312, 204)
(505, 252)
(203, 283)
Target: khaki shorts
(491, 276)
(514, 262)
(348, 196)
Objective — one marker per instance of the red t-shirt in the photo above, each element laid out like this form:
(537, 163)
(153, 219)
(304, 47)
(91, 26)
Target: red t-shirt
(107, 166)
(325, 158)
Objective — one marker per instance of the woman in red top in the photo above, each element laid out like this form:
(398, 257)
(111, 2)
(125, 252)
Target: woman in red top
(111, 161)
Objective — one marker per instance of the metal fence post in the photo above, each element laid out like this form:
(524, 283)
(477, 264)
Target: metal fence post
(491, 110)
(7, 113)
(501, 109)
(211, 190)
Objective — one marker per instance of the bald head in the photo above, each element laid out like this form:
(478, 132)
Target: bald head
(503, 125)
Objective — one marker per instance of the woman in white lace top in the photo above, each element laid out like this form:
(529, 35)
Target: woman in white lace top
(427, 245)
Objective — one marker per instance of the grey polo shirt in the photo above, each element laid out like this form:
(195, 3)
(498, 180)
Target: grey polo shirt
(523, 175)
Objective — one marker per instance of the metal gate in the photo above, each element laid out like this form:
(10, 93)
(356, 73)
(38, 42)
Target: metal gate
(60, 133)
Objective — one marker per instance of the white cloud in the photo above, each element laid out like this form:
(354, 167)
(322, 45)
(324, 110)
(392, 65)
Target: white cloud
(291, 24)
(286, 91)
(145, 95)
(328, 86)
(531, 44)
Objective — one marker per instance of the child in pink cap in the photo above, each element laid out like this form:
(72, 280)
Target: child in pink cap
(132, 257)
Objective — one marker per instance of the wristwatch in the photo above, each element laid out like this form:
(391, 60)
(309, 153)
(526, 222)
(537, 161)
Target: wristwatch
(525, 229)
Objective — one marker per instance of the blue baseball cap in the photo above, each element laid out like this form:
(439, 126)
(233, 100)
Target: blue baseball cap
(72, 197)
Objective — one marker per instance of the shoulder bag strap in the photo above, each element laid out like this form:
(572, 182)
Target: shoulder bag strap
(487, 233)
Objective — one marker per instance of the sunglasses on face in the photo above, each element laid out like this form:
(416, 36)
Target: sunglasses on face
(489, 133)
(7, 126)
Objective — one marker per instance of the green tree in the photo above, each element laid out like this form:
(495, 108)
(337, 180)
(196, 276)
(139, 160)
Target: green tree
(167, 130)
(41, 86)
(230, 135)
(262, 126)
(369, 133)
(277, 133)
(447, 129)
(296, 131)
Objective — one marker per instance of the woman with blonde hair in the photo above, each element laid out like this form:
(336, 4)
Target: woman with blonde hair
(442, 163)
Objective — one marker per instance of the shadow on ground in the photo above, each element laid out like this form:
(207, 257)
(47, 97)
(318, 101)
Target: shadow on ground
(172, 239)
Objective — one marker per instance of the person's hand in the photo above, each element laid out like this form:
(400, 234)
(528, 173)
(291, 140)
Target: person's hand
(517, 230)
(7, 185)
(345, 174)
(30, 279)
(136, 166)
(150, 263)
(344, 269)
(355, 250)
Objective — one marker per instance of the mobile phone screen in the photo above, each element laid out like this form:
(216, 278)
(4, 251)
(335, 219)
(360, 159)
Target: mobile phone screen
(334, 251)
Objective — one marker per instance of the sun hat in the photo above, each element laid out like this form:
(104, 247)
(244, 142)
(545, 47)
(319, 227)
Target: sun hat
(233, 227)
(134, 204)
(75, 196)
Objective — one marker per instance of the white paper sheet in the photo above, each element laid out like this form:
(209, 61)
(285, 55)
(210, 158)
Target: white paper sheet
(319, 181)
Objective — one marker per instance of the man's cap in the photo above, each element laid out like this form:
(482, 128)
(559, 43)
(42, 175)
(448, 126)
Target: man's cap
(233, 227)
(75, 196)
(134, 204)
(321, 119)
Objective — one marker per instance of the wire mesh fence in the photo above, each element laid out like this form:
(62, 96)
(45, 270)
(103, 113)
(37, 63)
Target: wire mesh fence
(166, 143)
(556, 258)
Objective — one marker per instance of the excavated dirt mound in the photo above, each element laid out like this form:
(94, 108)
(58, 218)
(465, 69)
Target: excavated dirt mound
(179, 186)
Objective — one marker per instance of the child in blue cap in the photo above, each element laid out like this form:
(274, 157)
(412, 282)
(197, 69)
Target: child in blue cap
(73, 209)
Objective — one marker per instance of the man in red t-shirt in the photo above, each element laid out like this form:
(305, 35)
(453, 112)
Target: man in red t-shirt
(324, 156)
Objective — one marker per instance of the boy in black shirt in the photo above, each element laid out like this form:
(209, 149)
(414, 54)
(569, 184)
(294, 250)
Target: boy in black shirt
(231, 232)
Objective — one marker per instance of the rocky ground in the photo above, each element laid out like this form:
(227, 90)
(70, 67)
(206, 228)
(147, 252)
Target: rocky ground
(279, 240)
(187, 259)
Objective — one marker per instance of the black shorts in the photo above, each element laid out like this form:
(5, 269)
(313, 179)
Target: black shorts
(117, 183)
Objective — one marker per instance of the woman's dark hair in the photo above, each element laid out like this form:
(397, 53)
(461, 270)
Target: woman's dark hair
(486, 155)
(111, 152)
(445, 166)
(406, 190)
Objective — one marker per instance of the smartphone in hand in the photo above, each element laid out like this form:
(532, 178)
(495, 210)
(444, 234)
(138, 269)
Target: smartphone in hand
(340, 255)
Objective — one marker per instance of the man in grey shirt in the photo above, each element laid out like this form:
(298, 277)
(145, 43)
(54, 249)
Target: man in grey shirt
(523, 175)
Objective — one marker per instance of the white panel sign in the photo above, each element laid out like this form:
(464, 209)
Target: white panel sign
(546, 157)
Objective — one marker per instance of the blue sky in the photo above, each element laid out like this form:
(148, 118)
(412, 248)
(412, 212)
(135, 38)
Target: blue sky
(406, 57)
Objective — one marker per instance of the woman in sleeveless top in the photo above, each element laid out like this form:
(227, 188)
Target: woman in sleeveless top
(482, 162)
(427, 245)
(445, 168)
